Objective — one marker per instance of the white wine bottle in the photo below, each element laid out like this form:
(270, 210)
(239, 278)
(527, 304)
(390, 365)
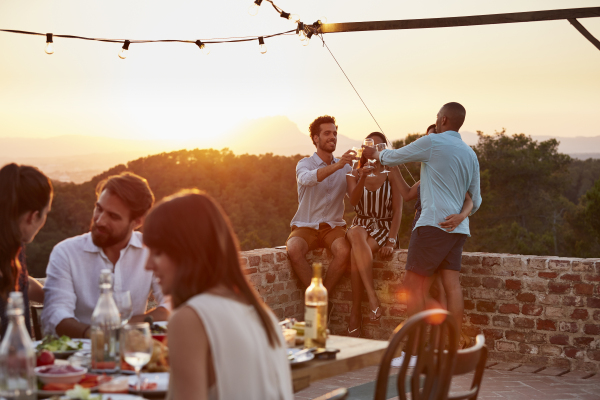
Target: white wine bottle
(315, 310)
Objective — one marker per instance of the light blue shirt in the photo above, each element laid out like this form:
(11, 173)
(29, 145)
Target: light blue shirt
(449, 168)
(323, 201)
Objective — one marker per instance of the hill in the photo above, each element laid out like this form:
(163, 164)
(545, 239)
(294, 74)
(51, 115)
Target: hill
(77, 158)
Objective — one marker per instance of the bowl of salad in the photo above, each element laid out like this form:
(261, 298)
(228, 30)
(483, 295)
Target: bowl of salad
(62, 347)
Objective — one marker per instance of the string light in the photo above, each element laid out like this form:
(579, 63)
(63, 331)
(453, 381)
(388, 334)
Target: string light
(263, 47)
(124, 50)
(49, 47)
(253, 9)
(203, 47)
(291, 17)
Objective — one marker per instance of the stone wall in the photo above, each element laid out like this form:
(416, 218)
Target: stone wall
(532, 310)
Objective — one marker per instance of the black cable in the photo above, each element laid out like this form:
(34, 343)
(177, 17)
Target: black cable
(356, 91)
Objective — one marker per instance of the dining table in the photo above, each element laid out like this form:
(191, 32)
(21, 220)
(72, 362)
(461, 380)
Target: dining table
(354, 353)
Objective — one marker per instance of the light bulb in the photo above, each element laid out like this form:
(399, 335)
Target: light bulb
(263, 47)
(49, 47)
(253, 9)
(203, 47)
(124, 50)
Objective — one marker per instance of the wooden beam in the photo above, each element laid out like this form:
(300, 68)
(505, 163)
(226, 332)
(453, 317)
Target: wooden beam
(585, 32)
(549, 15)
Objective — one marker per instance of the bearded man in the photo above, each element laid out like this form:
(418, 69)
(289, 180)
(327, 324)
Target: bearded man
(319, 221)
(71, 290)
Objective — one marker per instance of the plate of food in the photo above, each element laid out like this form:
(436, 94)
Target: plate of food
(62, 347)
(152, 383)
(56, 380)
(159, 361)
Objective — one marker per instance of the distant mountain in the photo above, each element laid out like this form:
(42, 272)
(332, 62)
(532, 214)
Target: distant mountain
(77, 158)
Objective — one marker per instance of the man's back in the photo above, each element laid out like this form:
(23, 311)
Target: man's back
(449, 170)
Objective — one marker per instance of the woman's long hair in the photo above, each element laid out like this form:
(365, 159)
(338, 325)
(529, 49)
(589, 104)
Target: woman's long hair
(22, 189)
(192, 229)
(363, 159)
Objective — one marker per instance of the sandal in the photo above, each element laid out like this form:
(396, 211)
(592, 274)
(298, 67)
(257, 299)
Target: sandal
(377, 317)
(351, 333)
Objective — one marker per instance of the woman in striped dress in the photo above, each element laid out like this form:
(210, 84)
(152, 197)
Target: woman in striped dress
(378, 205)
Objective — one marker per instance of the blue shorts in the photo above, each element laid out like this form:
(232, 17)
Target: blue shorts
(432, 249)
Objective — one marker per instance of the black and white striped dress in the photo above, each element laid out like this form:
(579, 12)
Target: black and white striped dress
(374, 212)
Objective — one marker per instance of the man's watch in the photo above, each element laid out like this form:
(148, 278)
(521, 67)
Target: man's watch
(391, 240)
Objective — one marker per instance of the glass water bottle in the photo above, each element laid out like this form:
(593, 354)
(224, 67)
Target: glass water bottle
(106, 322)
(17, 355)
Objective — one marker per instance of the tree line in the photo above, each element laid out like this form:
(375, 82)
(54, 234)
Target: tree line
(535, 200)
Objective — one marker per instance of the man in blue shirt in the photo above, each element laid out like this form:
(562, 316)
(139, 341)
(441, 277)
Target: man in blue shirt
(449, 169)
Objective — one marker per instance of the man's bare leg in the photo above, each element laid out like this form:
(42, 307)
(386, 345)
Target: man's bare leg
(340, 248)
(417, 288)
(454, 295)
(297, 249)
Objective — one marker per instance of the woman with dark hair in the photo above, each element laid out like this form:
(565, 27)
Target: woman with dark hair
(224, 342)
(377, 201)
(25, 200)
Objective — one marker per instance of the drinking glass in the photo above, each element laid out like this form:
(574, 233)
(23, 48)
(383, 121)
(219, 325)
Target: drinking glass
(370, 143)
(358, 151)
(380, 147)
(123, 302)
(136, 345)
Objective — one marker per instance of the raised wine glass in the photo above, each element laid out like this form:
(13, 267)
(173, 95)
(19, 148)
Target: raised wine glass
(358, 151)
(123, 302)
(380, 147)
(370, 143)
(136, 345)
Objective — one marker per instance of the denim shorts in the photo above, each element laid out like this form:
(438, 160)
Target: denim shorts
(432, 249)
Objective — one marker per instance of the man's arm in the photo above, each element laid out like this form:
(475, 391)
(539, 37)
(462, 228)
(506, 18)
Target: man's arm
(59, 294)
(158, 314)
(419, 150)
(474, 189)
(73, 329)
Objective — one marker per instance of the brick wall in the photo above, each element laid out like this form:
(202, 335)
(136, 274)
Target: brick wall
(532, 310)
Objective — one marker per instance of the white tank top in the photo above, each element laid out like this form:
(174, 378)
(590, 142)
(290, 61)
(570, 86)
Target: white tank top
(246, 366)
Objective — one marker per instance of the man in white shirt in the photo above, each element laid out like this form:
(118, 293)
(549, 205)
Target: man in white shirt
(71, 289)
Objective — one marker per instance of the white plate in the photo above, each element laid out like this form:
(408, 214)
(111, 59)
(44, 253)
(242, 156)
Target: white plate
(160, 378)
(302, 358)
(87, 346)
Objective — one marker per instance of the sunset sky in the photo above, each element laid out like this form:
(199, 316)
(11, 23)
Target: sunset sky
(539, 78)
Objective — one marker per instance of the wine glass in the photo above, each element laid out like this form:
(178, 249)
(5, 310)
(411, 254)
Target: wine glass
(370, 143)
(136, 345)
(123, 302)
(380, 147)
(358, 151)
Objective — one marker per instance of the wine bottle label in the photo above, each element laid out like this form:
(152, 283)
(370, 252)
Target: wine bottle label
(310, 318)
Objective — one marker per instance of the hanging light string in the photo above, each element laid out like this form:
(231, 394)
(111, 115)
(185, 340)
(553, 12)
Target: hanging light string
(210, 41)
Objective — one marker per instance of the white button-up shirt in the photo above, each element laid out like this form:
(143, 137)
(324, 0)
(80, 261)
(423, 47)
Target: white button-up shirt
(319, 201)
(72, 279)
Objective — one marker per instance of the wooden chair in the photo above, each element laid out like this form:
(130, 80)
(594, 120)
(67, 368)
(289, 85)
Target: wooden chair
(432, 336)
(36, 312)
(468, 360)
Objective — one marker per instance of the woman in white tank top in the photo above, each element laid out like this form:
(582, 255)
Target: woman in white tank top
(224, 342)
